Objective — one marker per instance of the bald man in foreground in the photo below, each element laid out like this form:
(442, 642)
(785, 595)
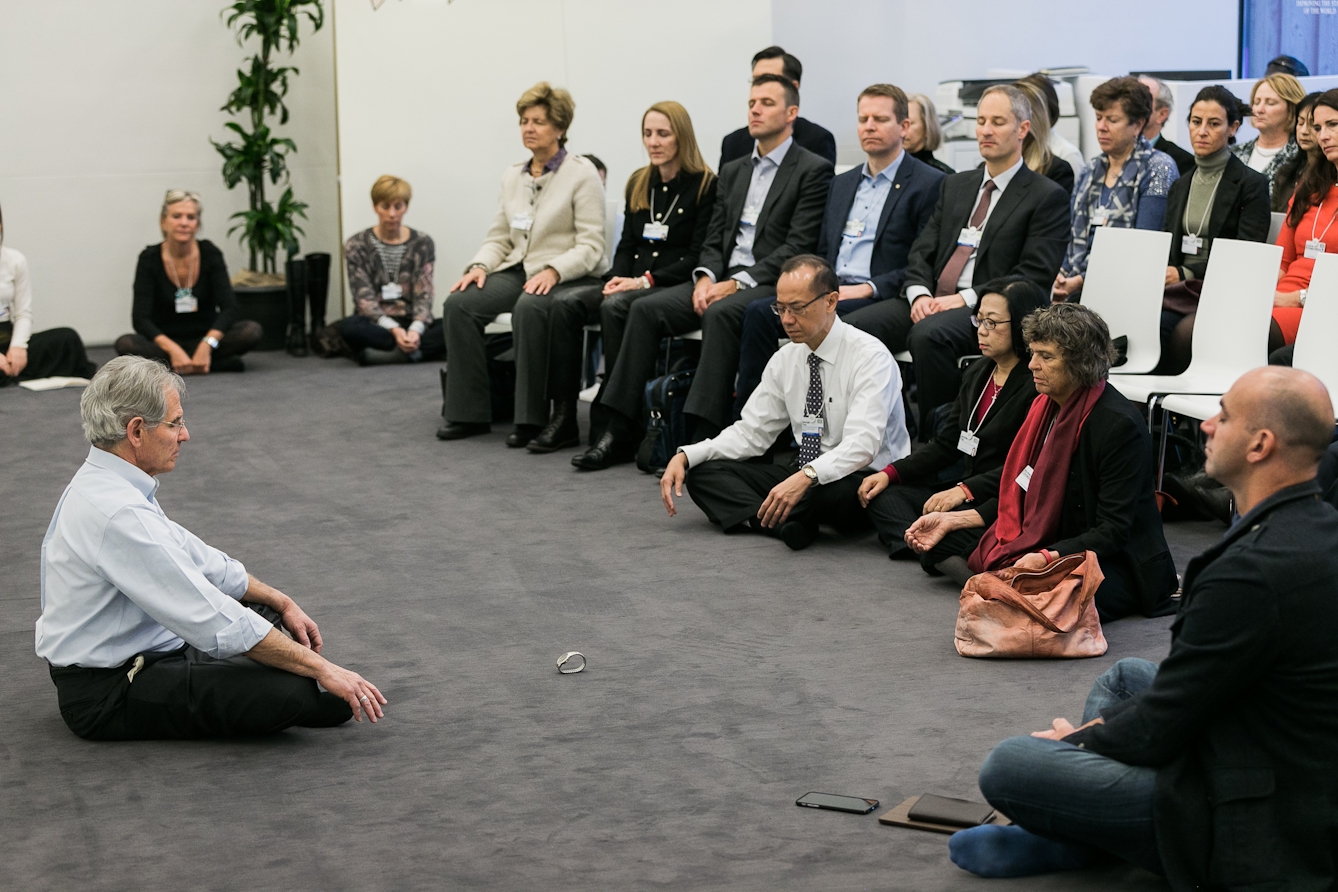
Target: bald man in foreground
(1218, 769)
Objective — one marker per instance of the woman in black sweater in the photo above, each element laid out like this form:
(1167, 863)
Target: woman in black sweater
(185, 314)
(996, 393)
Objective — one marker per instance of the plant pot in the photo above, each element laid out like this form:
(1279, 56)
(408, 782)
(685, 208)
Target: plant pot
(269, 307)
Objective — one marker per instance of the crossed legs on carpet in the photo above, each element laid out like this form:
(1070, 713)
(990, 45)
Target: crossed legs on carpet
(237, 340)
(1070, 808)
(362, 333)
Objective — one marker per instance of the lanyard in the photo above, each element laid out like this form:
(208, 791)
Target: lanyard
(190, 271)
(672, 205)
(1206, 211)
(1315, 222)
(972, 430)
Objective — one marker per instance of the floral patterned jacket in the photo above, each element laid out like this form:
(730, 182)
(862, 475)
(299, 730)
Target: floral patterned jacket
(366, 275)
(1281, 172)
(1147, 174)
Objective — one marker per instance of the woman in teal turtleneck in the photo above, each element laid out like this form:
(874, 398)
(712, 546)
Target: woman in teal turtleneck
(1222, 199)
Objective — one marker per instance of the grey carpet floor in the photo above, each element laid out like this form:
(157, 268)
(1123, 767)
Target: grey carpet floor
(727, 674)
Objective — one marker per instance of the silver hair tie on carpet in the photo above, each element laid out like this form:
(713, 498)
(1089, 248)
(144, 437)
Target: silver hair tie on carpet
(566, 658)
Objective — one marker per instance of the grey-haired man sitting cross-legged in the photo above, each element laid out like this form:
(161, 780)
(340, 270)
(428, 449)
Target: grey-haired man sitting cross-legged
(146, 628)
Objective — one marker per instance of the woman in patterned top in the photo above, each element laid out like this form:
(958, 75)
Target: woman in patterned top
(1125, 186)
(1273, 103)
(390, 275)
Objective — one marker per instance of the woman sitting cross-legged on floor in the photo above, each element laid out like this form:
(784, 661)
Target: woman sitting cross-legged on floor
(991, 406)
(185, 314)
(1080, 476)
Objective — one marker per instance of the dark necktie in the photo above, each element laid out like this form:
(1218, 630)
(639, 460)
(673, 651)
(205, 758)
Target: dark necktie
(811, 444)
(947, 280)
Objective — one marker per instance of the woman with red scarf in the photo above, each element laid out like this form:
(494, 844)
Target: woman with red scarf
(1079, 477)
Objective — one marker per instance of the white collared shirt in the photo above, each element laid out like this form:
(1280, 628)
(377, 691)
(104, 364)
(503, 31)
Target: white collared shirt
(864, 420)
(964, 280)
(119, 578)
(764, 174)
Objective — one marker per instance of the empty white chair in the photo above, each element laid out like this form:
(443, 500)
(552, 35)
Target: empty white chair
(1126, 275)
(500, 325)
(1231, 329)
(1314, 337)
(1275, 226)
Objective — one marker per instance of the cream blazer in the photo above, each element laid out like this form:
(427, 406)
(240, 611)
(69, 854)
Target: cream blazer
(568, 229)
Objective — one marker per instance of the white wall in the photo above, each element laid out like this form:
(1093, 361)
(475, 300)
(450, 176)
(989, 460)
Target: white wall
(107, 105)
(447, 121)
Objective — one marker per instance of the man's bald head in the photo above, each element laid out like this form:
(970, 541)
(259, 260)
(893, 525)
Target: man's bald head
(1293, 404)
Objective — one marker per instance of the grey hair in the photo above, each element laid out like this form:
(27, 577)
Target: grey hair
(1016, 98)
(1162, 97)
(928, 114)
(1081, 336)
(175, 196)
(126, 388)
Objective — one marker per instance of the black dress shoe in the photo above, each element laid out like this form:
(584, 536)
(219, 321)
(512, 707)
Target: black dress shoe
(561, 432)
(797, 535)
(522, 435)
(606, 452)
(458, 430)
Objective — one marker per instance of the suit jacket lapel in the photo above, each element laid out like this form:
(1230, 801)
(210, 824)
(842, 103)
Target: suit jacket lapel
(1009, 201)
(1223, 203)
(843, 198)
(957, 218)
(783, 174)
(899, 186)
(734, 201)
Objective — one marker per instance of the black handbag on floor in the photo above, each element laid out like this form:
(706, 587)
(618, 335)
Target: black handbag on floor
(665, 424)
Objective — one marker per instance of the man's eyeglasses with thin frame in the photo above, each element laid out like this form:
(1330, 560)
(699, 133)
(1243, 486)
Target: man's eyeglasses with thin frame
(795, 311)
(178, 426)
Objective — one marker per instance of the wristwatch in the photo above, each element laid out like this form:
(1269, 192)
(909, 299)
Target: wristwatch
(1303, 293)
(810, 473)
(213, 342)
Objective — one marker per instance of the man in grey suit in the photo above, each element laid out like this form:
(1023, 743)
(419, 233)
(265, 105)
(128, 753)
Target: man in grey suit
(769, 209)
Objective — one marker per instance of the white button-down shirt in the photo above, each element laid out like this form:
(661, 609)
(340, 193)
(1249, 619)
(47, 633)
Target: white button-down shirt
(864, 423)
(119, 578)
(964, 280)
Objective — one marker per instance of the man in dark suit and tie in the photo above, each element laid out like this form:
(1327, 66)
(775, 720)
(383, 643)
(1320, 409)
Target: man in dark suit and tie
(768, 209)
(874, 214)
(814, 137)
(1000, 219)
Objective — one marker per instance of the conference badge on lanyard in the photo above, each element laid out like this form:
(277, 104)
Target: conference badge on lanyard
(186, 301)
(1314, 248)
(969, 236)
(968, 442)
(1024, 479)
(1190, 244)
(655, 232)
(523, 221)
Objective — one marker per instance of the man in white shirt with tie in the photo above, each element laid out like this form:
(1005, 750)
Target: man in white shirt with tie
(839, 392)
(144, 625)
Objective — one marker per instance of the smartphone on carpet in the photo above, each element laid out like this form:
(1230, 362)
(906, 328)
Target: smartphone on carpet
(852, 804)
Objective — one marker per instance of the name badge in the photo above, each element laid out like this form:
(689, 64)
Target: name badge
(655, 232)
(523, 222)
(391, 292)
(969, 236)
(968, 442)
(1100, 217)
(749, 216)
(812, 424)
(854, 228)
(186, 301)
(4, 310)
(1190, 244)
(1024, 479)
(1313, 248)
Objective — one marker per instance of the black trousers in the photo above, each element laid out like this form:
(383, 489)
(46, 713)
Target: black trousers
(893, 511)
(238, 339)
(185, 694)
(631, 347)
(568, 315)
(730, 492)
(359, 333)
(712, 393)
(54, 352)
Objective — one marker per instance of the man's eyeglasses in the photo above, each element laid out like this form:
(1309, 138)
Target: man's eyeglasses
(988, 324)
(778, 309)
(177, 426)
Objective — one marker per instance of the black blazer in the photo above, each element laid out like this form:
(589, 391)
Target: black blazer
(1061, 172)
(928, 158)
(814, 137)
(1240, 211)
(1184, 161)
(788, 224)
(1026, 235)
(672, 260)
(1110, 504)
(910, 203)
(1241, 721)
(153, 311)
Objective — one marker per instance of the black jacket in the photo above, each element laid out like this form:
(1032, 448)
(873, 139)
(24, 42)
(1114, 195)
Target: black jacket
(1240, 211)
(910, 203)
(1026, 235)
(672, 260)
(928, 158)
(981, 472)
(1061, 172)
(1241, 721)
(154, 309)
(1184, 161)
(814, 137)
(1110, 505)
(788, 223)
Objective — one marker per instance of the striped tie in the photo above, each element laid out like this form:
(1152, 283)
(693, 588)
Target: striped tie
(811, 444)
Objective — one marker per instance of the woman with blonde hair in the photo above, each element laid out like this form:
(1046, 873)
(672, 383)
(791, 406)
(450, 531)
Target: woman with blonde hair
(185, 314)
(547, 237)
(923, 135)
(1036, 146)
(1273, 103)
(668, 209)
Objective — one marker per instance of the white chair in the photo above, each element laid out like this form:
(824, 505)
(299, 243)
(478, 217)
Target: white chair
(500, 325)
(1275, 226)
(1231, 328)
(1126, 275)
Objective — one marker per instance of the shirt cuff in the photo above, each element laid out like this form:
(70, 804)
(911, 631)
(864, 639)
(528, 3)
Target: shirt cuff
(418, 327)
(874, 287)
(746, 279)
(893, 477)
(703, 271)
(1186, 274)
(235, 580)
(969, 295)
(917, 291)
(244, 633)
(387, 323)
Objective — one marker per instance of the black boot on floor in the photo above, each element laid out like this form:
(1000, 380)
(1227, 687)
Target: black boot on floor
(606, 452)
(458, 430)
(561, 432)
(522, 435)
(797, 535)
(228, 364)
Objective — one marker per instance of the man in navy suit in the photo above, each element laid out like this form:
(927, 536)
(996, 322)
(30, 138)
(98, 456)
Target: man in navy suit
(874, 214)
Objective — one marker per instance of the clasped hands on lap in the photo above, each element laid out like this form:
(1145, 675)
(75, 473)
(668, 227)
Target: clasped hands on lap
(706, 292)
(928, 306)
(775, 508)
(184, 363)
(14, 361)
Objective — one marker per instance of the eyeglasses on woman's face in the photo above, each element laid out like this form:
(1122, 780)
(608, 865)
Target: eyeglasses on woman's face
(988, 324)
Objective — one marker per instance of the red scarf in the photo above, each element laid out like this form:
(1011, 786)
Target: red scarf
(1029, 518)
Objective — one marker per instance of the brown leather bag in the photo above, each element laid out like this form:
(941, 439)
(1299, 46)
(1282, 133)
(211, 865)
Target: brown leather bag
(1033, 613)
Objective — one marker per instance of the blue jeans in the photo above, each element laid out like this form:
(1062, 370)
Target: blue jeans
(1054, 789)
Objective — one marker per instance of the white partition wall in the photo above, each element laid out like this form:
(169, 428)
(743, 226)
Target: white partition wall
(427, 91)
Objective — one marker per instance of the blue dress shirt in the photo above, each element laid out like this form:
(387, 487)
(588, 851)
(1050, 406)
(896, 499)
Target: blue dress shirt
(856, 255)
(119, 578)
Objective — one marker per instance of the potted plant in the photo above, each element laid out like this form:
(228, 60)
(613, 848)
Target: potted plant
(257, 154)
